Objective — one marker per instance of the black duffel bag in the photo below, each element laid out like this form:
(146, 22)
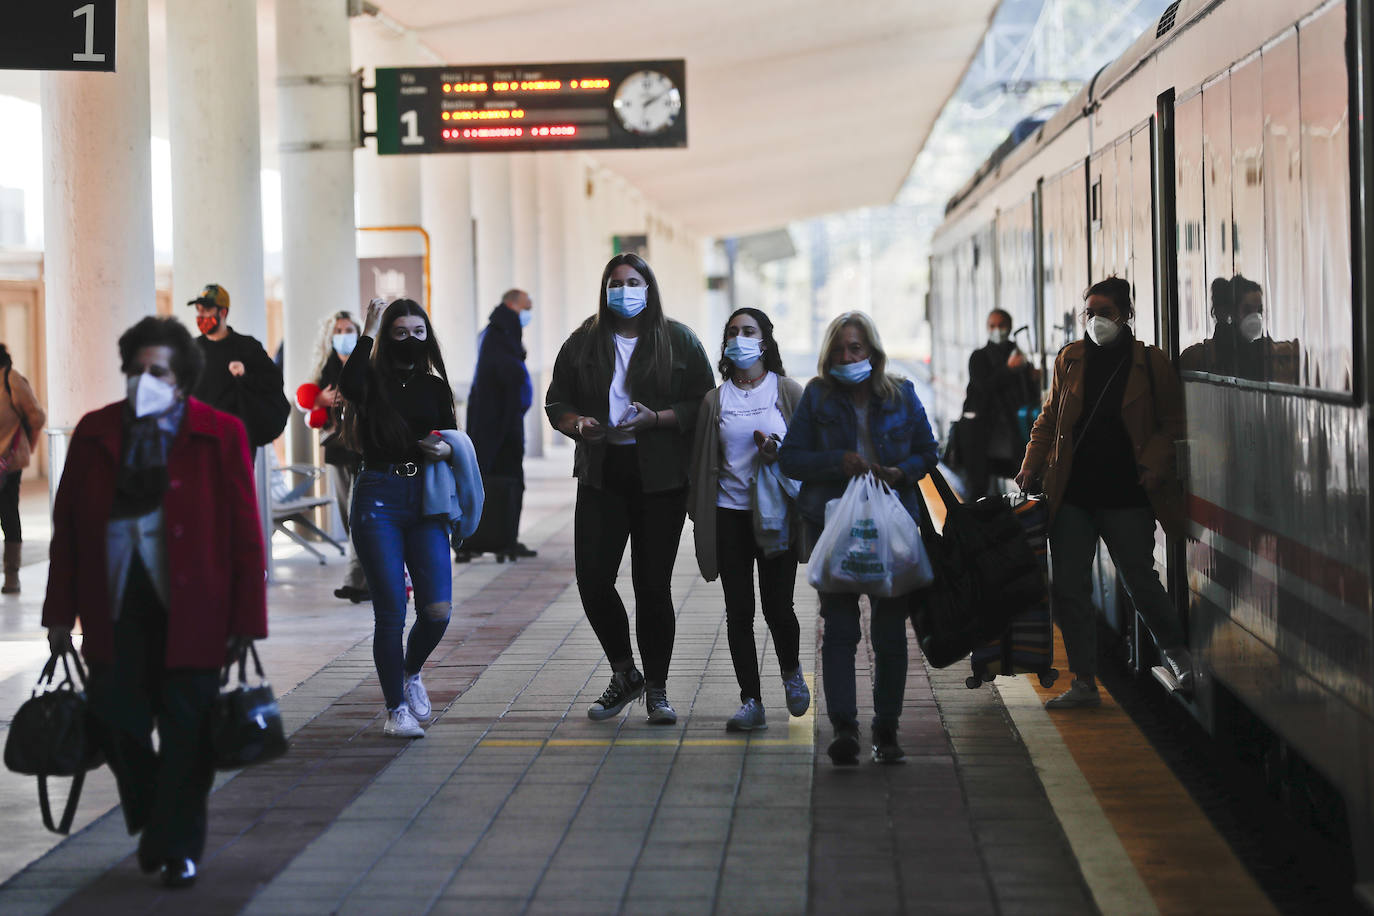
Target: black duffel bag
(245, 727)
(50, 736)
(985, 574)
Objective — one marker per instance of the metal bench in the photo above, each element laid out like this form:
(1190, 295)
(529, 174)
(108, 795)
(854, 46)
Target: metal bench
(294, 504)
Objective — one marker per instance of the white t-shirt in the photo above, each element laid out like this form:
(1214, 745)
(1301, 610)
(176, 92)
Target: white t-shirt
(743, 410)
(620, 390)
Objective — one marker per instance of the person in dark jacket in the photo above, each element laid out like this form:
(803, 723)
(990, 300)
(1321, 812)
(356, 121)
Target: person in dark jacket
(1000, 380)
(501, 395)
(156, 548)
(627, 386)
(239, 377)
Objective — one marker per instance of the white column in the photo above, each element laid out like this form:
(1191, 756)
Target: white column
(319, 265)
(445, 181)
(491, 205)
(388, 186)
(97, 222)
(525, 249)
(212, 95)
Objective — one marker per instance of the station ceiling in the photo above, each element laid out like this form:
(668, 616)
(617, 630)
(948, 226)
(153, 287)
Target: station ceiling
(796, 108)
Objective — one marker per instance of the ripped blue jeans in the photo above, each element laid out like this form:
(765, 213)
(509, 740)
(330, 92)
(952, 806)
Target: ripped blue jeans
(390, 536)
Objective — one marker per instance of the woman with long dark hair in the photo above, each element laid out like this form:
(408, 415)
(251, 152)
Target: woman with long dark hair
(740, 426)
(398, 393)
(21, 422)
(626, 387)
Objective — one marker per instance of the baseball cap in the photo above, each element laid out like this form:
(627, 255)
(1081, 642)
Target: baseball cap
(213, 296)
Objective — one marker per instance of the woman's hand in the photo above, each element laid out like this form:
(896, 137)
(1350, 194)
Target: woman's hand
(767, 446)
(373, 322)
(434, 448)
(60, 640)
(589, 429)
(854, 465)
(893, 477)
(327, 396)
(643, 418)
(1016, 360)
(1025, 479)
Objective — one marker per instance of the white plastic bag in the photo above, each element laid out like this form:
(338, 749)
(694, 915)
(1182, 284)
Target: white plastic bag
(871, 545)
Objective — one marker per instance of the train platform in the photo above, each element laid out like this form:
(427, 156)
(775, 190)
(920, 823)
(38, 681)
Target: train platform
(515, 802)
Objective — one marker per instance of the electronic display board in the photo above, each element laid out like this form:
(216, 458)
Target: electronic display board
(625, 104)
(57, 35)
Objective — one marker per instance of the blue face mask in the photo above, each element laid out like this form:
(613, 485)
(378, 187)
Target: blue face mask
(344, 343)
(627, 301)
(526, 316)
(851, 373)
(744, 351)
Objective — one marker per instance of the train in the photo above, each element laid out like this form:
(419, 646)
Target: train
(1223, 166)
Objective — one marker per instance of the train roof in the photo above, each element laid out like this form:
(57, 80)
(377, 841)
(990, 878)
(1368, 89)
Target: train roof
(1010, 155)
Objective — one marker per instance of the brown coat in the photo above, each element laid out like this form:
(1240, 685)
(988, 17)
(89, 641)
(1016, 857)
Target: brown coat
(1153, 424)
(705, 472)
(26, 403)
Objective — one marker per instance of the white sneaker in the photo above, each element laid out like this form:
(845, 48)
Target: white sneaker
(417, 698)
(400, 723)
(1180, 663)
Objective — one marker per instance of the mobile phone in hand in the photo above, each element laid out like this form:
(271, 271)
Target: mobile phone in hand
(627, 416)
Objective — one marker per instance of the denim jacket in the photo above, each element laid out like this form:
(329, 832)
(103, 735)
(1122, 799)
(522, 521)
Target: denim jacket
(825, 427)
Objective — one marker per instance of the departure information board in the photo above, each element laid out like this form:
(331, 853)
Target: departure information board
(57, 35)
(625, 104)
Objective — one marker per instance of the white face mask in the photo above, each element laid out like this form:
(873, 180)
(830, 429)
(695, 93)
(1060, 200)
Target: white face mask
(344, 343)
(1252, 326)
(150, 395)
(1103, 331)
(998, 335)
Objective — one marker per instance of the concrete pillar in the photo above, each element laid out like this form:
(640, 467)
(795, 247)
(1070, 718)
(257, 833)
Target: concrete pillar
(212, 95)
(97, 223)
(319, 264)
(388, 187)
(445, 181)
(491, 206)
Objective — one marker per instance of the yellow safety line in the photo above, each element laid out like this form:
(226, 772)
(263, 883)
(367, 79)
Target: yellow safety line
(800, 733)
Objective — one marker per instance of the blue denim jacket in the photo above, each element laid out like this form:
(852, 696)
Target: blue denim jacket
(824, 428)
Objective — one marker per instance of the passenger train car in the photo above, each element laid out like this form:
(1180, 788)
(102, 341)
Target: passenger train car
(1222, 165)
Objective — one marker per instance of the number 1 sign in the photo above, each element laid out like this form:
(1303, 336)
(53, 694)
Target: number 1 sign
(57, 35)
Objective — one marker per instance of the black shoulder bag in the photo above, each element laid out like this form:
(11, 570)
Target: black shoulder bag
(246, 726)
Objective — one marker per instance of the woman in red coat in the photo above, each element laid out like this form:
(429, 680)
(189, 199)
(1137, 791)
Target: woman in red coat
(156, 547)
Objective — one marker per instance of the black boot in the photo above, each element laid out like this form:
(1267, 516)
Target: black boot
(844, 750)
(885, 746)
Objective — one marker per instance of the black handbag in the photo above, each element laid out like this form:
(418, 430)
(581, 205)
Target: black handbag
(985, 574)
(50, 736)
(245, 726)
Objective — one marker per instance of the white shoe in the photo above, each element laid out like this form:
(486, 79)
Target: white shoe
(400, 723)
(1180, 664)
(416, 697)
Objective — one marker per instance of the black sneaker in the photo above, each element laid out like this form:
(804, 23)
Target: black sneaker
(885, 746)
(520, 550)
(462, 555)
(660, 711)
(844, 750)
(624, 689)
(352, 593)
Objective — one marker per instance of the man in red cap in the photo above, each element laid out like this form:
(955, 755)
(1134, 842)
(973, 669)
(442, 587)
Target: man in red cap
(239, 377)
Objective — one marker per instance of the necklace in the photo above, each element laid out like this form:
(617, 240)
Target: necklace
(744, 383)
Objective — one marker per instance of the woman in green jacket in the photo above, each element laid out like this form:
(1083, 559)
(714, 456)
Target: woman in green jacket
(738, 432)
(626, 387)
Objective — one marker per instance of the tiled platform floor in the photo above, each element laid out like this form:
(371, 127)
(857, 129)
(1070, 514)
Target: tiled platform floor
(515, 802)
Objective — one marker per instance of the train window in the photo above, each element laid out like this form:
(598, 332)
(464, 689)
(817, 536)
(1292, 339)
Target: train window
(1217, 204)
(1119, 212)
(1073, 221)
(1142, 238)
(1281, 315)
(1328, 324)
(1247, 189)
(1193, 307)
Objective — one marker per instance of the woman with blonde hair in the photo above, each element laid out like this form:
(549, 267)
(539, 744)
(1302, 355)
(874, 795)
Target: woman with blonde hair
(854, 418)
(338, 337)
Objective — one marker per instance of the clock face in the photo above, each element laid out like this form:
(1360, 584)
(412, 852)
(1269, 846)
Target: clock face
(647, 102)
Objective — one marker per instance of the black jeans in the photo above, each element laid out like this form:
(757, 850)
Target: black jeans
(164, 793)
(736, 554)
(604, 520)
(9, 506)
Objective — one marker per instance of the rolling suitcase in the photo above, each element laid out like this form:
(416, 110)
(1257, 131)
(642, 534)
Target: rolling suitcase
(496, 532)
(1027, 644)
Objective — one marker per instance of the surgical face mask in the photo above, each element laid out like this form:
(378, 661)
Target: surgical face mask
(744, 351)
(1103, 331)
(1252, 326)
(627, 301)
(150, 395)
(998, 335)
(851, 373)
(344, 343)
(526, 316)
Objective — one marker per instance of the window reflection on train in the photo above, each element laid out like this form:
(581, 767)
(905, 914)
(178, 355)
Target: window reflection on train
(1240, 345)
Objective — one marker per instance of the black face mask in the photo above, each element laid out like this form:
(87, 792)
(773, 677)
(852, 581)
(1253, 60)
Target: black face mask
(410, 351)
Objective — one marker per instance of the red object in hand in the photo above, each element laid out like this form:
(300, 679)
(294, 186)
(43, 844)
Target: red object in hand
(306, 395)
(317, 418)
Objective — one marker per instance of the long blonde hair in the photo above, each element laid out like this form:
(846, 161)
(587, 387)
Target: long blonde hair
(324, 346)
(883, 385)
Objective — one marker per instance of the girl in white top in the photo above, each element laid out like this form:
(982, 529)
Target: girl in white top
(738, 431)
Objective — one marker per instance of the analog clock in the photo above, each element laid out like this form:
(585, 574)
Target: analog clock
(647, 102)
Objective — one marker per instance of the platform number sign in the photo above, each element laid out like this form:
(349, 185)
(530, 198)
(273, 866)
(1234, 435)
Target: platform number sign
(57, 35)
